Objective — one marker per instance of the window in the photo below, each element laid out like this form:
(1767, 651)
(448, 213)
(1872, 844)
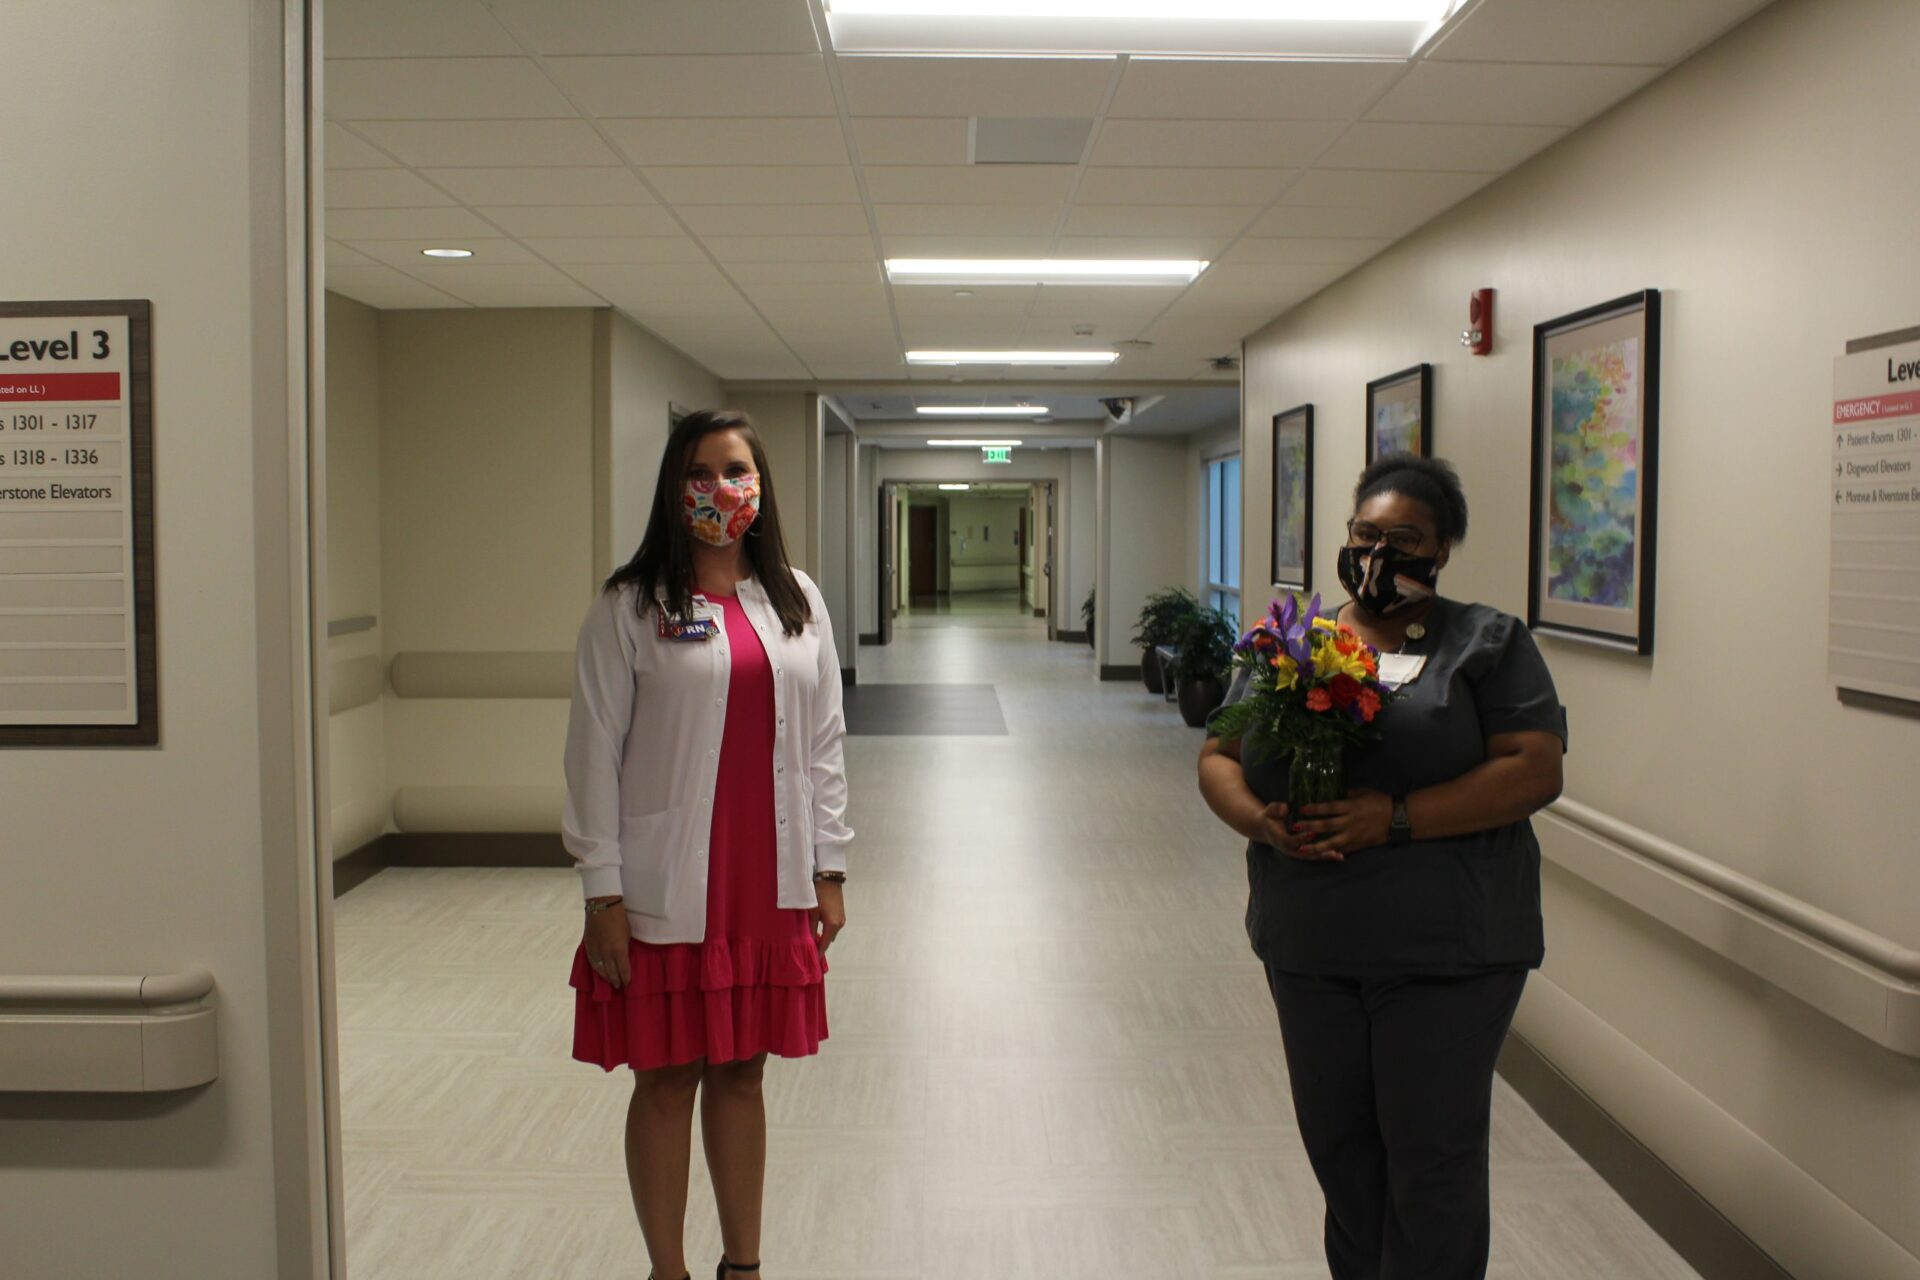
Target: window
(1223, 533)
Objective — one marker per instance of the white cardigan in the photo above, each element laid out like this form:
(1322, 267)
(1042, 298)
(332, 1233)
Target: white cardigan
(643, 752)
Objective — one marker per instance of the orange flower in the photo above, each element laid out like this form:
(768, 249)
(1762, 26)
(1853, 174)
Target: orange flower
(1318, 699)
(1369, 705)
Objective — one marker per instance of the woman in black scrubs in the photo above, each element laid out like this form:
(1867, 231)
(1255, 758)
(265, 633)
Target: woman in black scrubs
(1398, 925)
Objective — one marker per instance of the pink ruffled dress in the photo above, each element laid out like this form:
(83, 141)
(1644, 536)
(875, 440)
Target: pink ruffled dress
(757, 984)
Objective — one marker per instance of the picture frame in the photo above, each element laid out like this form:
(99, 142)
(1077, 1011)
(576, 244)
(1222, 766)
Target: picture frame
(1595, 474)
(1400, 413)
(1290, 545)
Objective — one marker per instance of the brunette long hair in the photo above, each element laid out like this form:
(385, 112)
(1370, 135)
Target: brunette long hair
(664, 561)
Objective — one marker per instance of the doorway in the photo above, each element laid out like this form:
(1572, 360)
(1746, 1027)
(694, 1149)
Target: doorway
(923, 550)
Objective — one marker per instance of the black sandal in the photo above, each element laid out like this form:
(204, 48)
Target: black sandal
(726, 1266)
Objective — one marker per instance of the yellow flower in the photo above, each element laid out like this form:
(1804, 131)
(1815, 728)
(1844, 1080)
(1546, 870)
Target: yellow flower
(1326, 624)
(1285, 673)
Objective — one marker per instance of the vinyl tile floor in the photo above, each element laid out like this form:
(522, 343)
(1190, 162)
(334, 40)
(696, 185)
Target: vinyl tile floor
(1052, 1054)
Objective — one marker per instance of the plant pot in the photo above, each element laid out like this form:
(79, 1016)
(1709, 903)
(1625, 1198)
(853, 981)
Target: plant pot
(1317, 775)
(1199, 699)
(1150, 672)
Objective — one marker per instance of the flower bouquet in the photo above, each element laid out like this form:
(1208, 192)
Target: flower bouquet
(1314, 689)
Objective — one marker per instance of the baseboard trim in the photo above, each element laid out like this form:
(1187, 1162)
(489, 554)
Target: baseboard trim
(849, 677)
(447, 849)
(1110, 672)
(1070, 637)
(870, 637)
(1698, 1232)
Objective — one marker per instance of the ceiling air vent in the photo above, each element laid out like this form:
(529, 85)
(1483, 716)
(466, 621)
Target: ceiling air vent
(1224, 364)
(1028, 139)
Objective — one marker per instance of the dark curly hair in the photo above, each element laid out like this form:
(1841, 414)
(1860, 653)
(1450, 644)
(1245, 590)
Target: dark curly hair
(1432, 482)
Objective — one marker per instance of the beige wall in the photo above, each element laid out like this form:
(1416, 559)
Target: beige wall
(980, 554)
(1144, 544)
(487, 447)
(789, 426)
(357, 746)
(637, 376)
(1754, 186)
(1079, 553)
(158, 158)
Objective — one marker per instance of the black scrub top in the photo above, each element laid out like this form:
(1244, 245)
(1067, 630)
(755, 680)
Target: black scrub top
(1464, 904)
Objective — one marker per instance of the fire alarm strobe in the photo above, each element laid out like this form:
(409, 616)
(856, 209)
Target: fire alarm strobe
(1477, 337)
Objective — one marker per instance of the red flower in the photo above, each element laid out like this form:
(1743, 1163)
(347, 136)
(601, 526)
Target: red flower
(1318, 699)
(1344, 689)
(1369, 705)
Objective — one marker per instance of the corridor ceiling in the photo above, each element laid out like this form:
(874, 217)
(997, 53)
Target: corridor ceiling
(716, 171)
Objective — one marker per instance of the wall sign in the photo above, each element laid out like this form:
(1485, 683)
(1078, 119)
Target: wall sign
(77, 661)
(1873, 615)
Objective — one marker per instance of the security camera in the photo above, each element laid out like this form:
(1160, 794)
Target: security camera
(1120, 408)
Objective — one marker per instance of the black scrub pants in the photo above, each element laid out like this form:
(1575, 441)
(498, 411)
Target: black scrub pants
(1393, 1088)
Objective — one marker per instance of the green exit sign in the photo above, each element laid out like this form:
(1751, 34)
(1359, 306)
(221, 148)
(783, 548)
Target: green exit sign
(996, 453)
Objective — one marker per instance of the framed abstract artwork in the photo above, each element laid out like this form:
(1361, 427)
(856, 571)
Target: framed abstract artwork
(1292, 546)
(1596, 452)
(1400, 413)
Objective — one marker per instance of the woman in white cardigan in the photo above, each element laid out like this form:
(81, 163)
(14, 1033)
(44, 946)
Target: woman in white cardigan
(706, 806)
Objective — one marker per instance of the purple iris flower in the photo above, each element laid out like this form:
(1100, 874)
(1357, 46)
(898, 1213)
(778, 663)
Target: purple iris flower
(1294, 625)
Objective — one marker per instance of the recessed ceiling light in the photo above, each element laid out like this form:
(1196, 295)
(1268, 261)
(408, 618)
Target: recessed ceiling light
(983, 411)
(956, 488)
(974, 444)
(1012, 357)
(1031, 271)
(447, 253)
(1187, 10)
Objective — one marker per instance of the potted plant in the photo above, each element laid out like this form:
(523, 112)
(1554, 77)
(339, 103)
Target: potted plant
(1086, 616)
(1205, 641)
(1160, 619)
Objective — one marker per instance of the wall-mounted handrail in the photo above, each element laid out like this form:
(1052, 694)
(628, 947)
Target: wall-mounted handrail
(1898, 963)
(23, 992)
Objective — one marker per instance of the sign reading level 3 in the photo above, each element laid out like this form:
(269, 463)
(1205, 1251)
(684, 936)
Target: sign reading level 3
(70, 604)
(1873, 642)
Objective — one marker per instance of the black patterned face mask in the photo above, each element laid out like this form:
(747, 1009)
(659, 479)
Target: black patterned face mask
(1384, 580)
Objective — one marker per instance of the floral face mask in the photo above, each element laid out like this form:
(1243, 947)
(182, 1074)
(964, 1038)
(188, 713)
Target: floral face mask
(719, 512)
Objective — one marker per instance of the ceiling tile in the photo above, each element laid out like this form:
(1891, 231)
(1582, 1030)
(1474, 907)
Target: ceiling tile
(967, 219)
(676, 86)
(405, 224)
(1655, 32)
(339, 254)
(599, 184)
(561, 294)
(752, 273)
(406, 255)
(344, 150)
(1158, 220)
(571, 250)
(582, 220)
(1200, 144)
(977, 184)
(633, 279)
(1285, 276)
(1226, 89)
(1508, 93)
(383, 287)
(993, 303)
(708, 141)
(490, 143)
(416, 29)
(774, 219)
(1430, 192)
(1465, 148)
(1306, 250)
(937, 246)
(975, 86)
(730, 249)
(756, 184)
(662, 309)
(900, 140)
(1157, 246)
(661, 26)
(864, 295)
(1370, 221)
(381, 189)
(1182, 186)
(442, 89)
(1091, 303)
(459, 278)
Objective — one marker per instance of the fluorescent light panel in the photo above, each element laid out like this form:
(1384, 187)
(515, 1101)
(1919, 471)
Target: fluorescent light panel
(974, 444)
(1028, 271)
(1012, 357)
(1156, 10)
(956, 488)
(983, 411)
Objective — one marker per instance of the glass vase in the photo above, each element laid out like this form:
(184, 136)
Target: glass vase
(1318, 774)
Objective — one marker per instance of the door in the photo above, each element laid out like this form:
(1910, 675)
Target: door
(1048, 605)
(923, 544)
(888, 541)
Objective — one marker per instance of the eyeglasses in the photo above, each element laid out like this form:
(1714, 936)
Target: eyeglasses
(1403, 538)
